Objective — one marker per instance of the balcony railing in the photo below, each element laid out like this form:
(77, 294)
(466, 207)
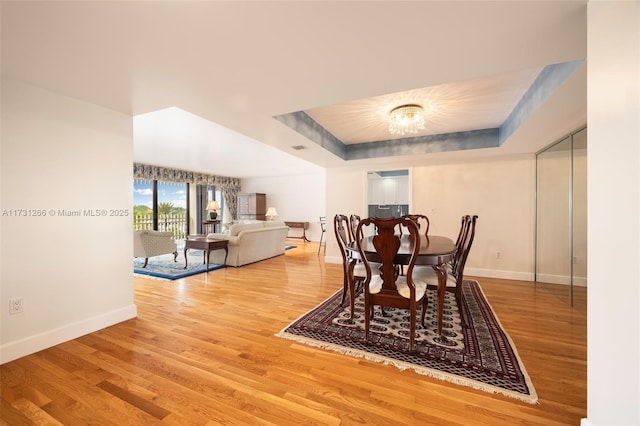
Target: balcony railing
(176, 223)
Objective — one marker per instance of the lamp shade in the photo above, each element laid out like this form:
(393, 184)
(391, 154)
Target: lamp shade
(271, 213)
(213, 208)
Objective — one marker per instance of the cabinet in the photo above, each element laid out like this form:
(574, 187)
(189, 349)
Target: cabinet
(402, 194)
(394, 190)
(252, 206)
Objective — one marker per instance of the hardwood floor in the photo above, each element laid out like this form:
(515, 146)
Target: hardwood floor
(203, 351)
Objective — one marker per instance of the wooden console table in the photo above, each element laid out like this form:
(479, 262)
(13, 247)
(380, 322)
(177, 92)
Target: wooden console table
(299, 225)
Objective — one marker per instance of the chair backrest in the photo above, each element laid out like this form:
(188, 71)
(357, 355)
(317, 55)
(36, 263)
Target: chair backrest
(343, 236)
(422, 221)
(464, 226)
(465, 240)
(354, 220)
(387, 244)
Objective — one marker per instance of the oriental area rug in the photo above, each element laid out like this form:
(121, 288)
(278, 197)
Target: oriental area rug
(480, 354)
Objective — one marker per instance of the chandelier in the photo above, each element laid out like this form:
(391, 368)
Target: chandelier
(405, 119)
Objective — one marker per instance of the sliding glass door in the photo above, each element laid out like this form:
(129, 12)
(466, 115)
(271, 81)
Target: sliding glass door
(161, 206)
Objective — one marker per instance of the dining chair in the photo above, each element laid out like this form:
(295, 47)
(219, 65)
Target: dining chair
(354, 219)
(353, 271)
(323, 228)
(383, 285)
(422, 221)
(423, 227)
(464, 228)
(455, 270)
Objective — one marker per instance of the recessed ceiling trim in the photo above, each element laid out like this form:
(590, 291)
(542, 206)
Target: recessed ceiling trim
(309, 128)
(549, 79)
(474, 139)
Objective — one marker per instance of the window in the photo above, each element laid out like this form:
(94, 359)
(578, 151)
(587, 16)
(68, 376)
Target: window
(161, 206)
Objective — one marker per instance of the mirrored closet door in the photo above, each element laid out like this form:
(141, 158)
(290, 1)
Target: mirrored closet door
(561, 213)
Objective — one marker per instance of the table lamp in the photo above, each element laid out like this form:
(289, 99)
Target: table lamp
(213, 208)
(271, 213)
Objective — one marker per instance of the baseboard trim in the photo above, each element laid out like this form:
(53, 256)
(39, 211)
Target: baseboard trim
(585, 422)
(17, 349)
(562, 279)
(506, 275)
(493, 273)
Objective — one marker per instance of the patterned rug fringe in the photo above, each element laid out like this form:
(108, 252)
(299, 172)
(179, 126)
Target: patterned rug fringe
(532, 398)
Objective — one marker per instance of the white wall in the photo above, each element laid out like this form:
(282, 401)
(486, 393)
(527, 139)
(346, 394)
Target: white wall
(299, 198)
(73, 272)
(500, 192)
(347, 194)
(613, 96)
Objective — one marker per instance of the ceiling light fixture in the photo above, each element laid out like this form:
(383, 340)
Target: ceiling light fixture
(405, 119)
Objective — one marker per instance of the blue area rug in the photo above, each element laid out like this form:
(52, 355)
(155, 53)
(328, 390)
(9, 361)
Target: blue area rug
(289, 247)
(164, 266)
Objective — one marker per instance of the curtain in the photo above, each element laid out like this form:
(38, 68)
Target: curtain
(229, 186)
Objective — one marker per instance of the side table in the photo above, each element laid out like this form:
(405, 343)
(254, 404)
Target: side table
(210, 225)
(207, 245)
(299, 225)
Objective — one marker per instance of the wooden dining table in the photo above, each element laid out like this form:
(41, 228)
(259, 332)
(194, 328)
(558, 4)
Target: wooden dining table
(435, 251)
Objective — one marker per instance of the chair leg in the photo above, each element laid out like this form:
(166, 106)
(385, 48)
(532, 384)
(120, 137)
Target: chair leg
(425, 303)
(175, 256)
(367, 308)
(352, 297)
(382, 312)
(320, 244)
(146, 260)
(344, 288)
(463, 317)
(412, 329)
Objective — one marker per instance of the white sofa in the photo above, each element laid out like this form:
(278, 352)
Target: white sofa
(251, 242)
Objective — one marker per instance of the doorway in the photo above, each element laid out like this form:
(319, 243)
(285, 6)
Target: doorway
(388, 193)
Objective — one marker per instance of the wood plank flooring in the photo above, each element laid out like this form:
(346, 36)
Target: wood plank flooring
(202, 352)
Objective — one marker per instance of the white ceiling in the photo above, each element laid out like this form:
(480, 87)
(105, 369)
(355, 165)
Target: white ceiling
(238, 64)
(482, 103)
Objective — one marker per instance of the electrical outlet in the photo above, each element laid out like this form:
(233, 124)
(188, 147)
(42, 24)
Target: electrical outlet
(16, 305)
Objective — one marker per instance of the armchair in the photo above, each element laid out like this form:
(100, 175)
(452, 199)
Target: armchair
(147, 243)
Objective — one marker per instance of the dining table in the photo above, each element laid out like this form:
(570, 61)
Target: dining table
(435, 251)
